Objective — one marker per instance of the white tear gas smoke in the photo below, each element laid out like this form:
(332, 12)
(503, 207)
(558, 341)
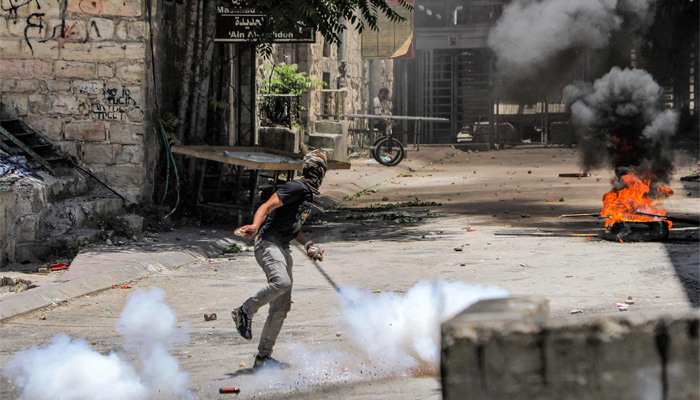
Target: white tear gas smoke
(396, 335)
(537, 42)
(70, 370)
(620, 122)
(405, 330)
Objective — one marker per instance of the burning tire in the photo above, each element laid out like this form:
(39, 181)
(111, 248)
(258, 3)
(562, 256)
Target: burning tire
(634, 231)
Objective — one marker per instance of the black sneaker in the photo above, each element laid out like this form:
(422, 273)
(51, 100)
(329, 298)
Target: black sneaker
(243, 322)
(266, 362)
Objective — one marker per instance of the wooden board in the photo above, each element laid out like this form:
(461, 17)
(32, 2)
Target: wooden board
(261, 158)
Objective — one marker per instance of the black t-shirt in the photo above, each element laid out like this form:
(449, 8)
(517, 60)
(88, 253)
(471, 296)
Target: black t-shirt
(284, 223)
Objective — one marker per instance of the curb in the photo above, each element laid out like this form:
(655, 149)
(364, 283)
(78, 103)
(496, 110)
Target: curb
(58, 292)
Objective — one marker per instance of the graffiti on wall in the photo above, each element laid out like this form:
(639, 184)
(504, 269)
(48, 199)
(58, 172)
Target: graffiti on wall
(90, 6)
(63, 32)
(117, 102)
(12, 6)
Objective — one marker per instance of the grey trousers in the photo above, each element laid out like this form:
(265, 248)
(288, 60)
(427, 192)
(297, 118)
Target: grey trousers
(276, 261)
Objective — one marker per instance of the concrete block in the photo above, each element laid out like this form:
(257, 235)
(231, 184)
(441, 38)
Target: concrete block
(135, 114)
(136, 30)
(105, 71)
(33, 32)
(135, 51)
(39, 104)
(101, 29)
(126, 176)
(102, 51)
(279, 138)
(3, 28)
(14, 105)
(12, 68)
(86, 131)
(19, 85)
(323, 140)
(121, 133)
(67, 30)
(335, 145)
(130, 72)
(48, 127)
(55, 85)
(99, 153)
(91, 87)
(125, 154)
(120, 31)
(68, 104)
(75, 69)
(70, 148)
(493, 352)
(10, 47)
(335, 127)
(126, 8)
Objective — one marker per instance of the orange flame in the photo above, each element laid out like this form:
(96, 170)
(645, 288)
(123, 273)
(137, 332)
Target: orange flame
(624, 204)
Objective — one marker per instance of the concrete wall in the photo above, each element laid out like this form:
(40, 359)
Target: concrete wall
(506, 349)
(75, 71)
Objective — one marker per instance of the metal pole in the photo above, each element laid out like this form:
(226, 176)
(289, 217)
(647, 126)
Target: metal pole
(491, 98)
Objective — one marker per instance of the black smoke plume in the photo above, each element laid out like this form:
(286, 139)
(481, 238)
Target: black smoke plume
(620, 122)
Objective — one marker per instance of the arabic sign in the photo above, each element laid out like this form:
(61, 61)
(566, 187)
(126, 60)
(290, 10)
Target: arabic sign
(391, 39)
(238, 23)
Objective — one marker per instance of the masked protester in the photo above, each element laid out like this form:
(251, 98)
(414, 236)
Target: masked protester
(276, 223)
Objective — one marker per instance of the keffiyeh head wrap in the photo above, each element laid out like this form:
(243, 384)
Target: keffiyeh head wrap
(314, 170)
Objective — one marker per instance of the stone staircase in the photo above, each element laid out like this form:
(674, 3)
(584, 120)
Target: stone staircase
(44, 219)
(331, 137)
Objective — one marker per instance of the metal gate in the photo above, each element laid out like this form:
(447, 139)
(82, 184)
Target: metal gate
(453, 84)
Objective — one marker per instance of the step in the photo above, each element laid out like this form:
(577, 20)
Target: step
(334, 127)
(324, 140)
(74, 213)
(66, 183)
(56, 247)
(335, 144)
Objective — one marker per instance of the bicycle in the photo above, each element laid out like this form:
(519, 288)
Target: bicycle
(386, 150)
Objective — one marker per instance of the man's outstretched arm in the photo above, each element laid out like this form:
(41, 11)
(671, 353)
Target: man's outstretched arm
(272, 203)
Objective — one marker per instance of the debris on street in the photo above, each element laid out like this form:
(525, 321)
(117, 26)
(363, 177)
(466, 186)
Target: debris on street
(577, 175)
(210, 317)
(59, 266)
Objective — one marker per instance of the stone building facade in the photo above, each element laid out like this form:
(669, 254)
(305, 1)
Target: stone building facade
(342, 68)
(76, 72)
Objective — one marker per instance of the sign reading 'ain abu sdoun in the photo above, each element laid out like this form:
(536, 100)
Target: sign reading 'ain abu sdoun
(238, 22)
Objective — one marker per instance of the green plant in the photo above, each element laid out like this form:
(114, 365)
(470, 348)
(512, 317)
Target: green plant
(169, 123)
(281, 93)
(217, 105)
(234, 248)
(285, 79)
